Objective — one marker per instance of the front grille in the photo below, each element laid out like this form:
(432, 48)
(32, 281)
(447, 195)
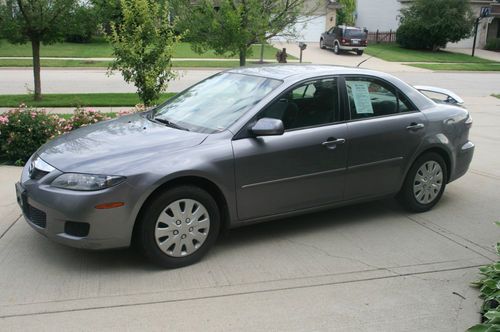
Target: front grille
(37, 174)
(35, 216)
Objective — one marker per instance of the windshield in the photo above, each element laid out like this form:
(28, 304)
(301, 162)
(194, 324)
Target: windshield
(215, 103)
(355, 33)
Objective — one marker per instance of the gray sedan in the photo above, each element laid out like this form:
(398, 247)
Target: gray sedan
(244, 146)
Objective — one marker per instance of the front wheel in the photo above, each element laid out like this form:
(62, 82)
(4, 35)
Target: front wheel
(179, 226)
(336, 49)
(322, 44)
(425, 183)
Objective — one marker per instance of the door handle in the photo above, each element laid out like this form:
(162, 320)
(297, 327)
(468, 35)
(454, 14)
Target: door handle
(415, 126)
(332, 142)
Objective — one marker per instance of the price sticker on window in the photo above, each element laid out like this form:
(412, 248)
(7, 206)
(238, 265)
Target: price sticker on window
(361, 97)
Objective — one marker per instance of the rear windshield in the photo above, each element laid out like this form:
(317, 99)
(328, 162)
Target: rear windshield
(355, 33)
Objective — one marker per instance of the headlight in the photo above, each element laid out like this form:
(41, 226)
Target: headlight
(86, 182)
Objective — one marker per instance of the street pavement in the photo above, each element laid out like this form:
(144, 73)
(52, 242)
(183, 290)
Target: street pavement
(369, 267)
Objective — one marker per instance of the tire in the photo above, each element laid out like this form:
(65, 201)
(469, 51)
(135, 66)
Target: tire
(322, 44)
(180, 237)
(425, 175)
(359, 52)
(336, 48)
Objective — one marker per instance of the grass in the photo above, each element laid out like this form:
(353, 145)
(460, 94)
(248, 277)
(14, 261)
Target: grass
(392, 52)
(101, 49)
(105, 64)
(74, 100)
(491, 66)
(497, 95)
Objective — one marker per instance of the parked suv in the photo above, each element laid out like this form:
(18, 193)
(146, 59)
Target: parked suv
(344, 38)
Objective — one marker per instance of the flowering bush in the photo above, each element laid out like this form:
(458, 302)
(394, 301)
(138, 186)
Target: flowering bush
(85, 116)
(24, 129)
(137, 108)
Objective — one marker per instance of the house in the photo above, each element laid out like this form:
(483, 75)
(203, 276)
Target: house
(384, 15)
(318, 16)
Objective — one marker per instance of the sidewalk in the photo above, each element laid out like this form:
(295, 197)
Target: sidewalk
(69, 110)
(485, 54)
(111, 59)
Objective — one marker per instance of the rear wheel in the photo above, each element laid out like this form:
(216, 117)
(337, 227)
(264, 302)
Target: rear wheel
(359, 52)
(179, 226)
(336, 48)
(322, 44)
(425, 183)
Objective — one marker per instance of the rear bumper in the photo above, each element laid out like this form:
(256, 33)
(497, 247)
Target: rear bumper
(464, 158)
(351, 48)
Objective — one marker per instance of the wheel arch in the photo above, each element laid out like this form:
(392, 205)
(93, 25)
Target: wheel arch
(194, 180)
(440, 150)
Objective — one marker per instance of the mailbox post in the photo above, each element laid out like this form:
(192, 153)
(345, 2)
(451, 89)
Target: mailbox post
(302, 47)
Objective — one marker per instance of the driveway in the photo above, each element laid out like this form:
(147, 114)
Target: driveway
(370, 267)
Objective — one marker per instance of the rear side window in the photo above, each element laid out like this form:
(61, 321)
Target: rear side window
(369, 97)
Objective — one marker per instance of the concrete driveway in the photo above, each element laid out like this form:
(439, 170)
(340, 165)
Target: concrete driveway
(370, 267)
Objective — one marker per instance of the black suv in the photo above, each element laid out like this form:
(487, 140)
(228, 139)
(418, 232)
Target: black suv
(344, 38)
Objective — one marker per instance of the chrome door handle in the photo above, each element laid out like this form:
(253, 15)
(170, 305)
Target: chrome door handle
(415, 126)
(333, 142)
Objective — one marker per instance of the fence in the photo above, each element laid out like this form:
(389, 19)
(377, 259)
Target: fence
(382, 37)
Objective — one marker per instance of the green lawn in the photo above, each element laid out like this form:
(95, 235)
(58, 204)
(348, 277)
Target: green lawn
(105, 64)
(496, 95)
(491, 66)
(74, 100)
(392, 52)
(101, 49)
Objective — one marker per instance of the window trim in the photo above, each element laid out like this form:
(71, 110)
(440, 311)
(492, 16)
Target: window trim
(398, 92)
(242, 133)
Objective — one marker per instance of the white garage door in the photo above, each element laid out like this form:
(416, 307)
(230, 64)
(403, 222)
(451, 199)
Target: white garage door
(309, 29)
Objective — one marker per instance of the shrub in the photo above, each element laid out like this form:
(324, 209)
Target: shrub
(493, 44)
(489, 287)
(85, 116)
(23, 130)
(431, 24)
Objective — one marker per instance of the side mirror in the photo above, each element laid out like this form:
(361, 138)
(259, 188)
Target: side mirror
(268, 127)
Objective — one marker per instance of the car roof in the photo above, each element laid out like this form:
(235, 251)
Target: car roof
(296, 72)
(301, 71)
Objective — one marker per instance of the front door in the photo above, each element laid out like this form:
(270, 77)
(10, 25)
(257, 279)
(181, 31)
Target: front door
(304, 167)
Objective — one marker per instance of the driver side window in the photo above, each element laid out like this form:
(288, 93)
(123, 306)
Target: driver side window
(310, 104)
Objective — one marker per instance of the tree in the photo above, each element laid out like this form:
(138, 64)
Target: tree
(431, 24)
(35, 21)
(82, 24)
(232, 26)
(345, 15)
(143, 44)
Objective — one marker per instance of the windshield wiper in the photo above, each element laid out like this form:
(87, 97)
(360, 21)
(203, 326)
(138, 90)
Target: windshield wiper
(170, 123)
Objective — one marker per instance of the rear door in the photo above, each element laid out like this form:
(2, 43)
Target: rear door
(385, 130)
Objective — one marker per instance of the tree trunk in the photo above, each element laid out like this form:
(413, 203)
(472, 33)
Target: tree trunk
(262, 52)
(35, 46)
(243, 56)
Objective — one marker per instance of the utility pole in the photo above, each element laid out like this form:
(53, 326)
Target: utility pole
(476, 25)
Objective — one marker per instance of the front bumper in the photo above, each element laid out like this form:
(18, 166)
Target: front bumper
(70, 217)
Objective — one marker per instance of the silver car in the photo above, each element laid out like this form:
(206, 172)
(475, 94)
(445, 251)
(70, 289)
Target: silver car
(244, 146)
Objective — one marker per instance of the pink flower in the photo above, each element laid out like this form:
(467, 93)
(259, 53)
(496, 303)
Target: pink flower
(4, 119)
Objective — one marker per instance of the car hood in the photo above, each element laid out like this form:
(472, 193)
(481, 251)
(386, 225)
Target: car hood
(115, 146)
